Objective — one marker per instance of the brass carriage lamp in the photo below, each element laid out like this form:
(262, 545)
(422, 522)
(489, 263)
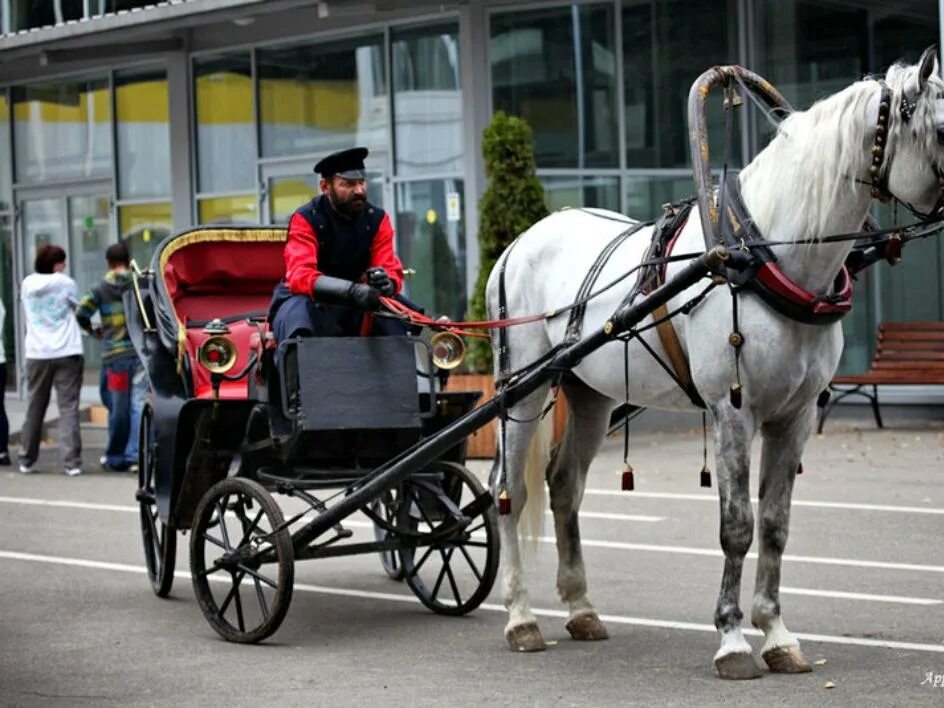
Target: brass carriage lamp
(217, 353)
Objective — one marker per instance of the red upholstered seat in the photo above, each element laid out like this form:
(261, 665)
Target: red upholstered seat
(222, 273)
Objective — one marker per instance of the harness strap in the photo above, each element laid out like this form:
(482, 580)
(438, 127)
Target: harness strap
(503, 363)
(673, 350)
(575, 321)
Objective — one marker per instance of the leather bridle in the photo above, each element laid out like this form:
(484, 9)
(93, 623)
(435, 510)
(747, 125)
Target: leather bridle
(879, 169)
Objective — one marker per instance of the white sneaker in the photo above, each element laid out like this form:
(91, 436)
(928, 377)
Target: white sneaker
(74, 472)
(26, 469)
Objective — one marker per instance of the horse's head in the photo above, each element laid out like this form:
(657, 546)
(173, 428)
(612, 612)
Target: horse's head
(909, 137)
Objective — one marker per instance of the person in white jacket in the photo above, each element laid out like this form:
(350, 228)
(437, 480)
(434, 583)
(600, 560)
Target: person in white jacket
(53, 358)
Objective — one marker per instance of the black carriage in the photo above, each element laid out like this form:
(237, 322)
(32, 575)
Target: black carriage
(223, 432)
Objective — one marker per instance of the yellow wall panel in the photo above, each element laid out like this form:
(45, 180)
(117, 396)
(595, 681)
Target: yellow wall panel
(53, 112)
(323, 104)
(145, 102)
(224, 98)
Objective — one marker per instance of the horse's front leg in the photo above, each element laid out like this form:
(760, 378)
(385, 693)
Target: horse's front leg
(734, 430)
(783, 447)
(521, 631)
(589, 414)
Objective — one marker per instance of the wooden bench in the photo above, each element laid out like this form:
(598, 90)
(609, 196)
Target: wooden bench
(909, 353)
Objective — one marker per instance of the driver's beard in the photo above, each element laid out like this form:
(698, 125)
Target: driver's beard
(348, 209)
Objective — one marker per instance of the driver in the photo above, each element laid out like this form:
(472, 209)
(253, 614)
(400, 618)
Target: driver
(339, 259)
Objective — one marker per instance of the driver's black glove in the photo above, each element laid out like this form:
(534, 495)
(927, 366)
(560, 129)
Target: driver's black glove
(378, 279)
(337, 291)
(365, 296)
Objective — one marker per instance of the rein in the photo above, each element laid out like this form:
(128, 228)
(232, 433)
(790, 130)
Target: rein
(401, 311)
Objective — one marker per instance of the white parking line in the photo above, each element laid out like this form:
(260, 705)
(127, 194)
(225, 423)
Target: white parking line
(820, 560)
(897, 599)
(615, 517)
(616, 545)
(796, 502)
(66, 504)
(613, 619)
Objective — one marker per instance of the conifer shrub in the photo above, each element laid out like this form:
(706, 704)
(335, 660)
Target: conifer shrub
(513, 201)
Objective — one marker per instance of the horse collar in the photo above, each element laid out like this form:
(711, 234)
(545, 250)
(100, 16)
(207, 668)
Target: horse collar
(764, 277)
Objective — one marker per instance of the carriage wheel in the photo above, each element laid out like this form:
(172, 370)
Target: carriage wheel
(387, 508)
(454, 573)
(237, 537)
(160, 540)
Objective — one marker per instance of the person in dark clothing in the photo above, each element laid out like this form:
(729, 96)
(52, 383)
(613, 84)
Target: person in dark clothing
(339, 259)
(121, 384)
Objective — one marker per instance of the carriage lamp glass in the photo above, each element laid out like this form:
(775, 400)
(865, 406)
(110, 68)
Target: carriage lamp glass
(217, 354)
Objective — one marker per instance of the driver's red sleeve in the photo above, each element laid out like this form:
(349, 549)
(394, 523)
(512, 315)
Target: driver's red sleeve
(383, 255)
(301, 256)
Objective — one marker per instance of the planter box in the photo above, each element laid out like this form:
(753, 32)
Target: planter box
(483, 442)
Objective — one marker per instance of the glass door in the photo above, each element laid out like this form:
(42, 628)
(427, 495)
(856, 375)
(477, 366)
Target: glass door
(79, 221)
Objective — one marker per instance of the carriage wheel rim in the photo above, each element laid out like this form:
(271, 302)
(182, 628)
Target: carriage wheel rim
(440, 571)
(240, 599)
(159, 539)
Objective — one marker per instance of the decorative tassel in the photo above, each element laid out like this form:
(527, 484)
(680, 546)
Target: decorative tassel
(893, 249)
(504, 503)
(800, 468)
(705, 476)
(736, 395)
(628, 483)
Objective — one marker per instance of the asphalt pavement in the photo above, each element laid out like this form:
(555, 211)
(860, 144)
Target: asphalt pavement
(862, 587)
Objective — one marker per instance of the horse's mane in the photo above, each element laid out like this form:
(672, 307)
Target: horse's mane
(821, 152)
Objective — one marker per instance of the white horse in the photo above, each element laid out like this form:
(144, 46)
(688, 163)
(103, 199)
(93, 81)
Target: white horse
(811, 180)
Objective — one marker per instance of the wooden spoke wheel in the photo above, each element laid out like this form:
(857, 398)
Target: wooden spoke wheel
(160, 540)
(387, 508)
(241, 560)
(453, 566)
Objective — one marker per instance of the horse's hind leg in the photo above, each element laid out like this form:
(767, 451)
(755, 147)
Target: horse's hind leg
(521, 632)
(589, 414)
(734, 430)
(783, 446)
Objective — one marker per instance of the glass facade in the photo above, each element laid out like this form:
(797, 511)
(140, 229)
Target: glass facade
(142, 114)
(427, 101)
(665, 48)
(603, 84)
(63, 131)
(143, 226)
(315, 99)
(225, 124)
(556, 68)
(431, 241)
(601, 192)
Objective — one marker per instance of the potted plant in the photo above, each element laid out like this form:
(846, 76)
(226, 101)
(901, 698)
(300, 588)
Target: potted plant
(512, 202)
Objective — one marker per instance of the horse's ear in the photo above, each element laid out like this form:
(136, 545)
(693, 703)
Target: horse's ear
(927, 65)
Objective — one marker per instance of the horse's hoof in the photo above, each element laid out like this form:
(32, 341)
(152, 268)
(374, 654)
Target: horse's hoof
(737, 666)
(525, 637)
(786, 660)
(587, 628)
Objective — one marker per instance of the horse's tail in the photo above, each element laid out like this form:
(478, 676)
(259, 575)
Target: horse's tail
(531, 523)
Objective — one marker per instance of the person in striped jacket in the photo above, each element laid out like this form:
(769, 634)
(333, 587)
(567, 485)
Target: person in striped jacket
(122, 382)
